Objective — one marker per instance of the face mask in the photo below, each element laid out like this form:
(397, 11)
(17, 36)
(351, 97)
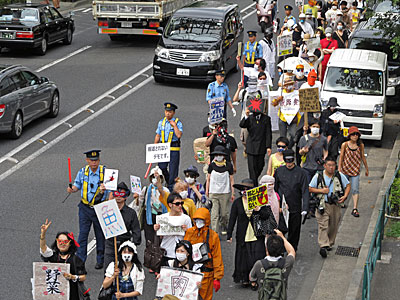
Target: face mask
(340, 27)
(328, 35)
(219, 158)
(127, 257)
(317, 6)
(302, 21)
(281, 149)
(334, 7)
(189, 180)
(262, 82)
(154, 181)
(300, 73)
(183, 194)
(317, 35)
(314, 130)
(199, 223)
(180, 256)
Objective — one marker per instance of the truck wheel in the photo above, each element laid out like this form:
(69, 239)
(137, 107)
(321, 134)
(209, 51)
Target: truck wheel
(16, 128)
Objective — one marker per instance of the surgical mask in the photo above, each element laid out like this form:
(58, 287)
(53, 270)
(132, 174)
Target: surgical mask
(183, 194)
(262, 82)
(154, 181)
(314, 130)
(317, 35)
(334, 7)
(302, 21)
(127, 257)
(219, 158)
(180, 256)
(340, 27)
(328, 34)
(189, 180)
(199, 223)
(300, 73)
(281, 149)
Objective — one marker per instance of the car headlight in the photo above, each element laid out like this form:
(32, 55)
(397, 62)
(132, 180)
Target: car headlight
(394, 81)
(378, 111)
(162, 52)
(210, 56)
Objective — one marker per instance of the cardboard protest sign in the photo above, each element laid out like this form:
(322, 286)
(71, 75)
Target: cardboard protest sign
(201, 151)
(255, 102)
(49, 282)
(257, 196)
(156, 153)
(284, 44)
(273, 110)
(170, 225)
(290, 105)
(111, 179)
(309, 100)
(110, 218)
(179, 283)
(136, 184)
(313, 43)
(337, 116)
(217, 107)
(285, 211)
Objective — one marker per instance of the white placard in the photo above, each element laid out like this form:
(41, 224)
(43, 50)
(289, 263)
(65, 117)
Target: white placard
(290, 105)
(49, 282)
(337, 116)
(111, 179)
(136, 184)
(156, 153)
(273, 110)
(179, 283)
(170, 225)
(313, 43)
(285, 211)
(285, 46)
(217, 108)
(110, 218)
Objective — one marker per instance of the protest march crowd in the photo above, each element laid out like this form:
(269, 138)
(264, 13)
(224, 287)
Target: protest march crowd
(311, 175)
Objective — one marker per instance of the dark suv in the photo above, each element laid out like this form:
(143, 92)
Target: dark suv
(198, 40)
(24, 97)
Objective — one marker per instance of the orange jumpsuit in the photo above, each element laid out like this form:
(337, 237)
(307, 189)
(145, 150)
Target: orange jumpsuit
(194, 236)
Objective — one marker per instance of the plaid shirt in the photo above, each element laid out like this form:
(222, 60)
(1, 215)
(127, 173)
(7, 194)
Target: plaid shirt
(192, 195)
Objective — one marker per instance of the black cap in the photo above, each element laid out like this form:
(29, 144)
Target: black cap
(333, 102)
(252, 32)
(93, 154)
(193, 170)
(170, 106)
(288, 7)
(289, 153)
(219, 150)
(246, 184)
(122, 186)
(221, 72)
(343, 3)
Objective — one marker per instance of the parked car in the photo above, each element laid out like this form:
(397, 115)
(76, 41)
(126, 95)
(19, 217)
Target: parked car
(24, 97)
(34, 26)
(198, 40)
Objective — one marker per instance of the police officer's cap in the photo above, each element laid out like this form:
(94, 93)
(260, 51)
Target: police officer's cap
(252, 32)
(93, 154)
(221, 72)
(288, 7)
(170, 106)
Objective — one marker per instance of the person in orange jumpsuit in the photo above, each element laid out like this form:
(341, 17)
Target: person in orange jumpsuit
(213, 270)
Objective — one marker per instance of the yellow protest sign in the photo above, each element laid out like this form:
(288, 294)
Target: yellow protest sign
(257, 196)
(309, 100)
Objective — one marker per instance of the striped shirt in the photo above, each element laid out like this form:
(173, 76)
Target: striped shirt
(351, 161)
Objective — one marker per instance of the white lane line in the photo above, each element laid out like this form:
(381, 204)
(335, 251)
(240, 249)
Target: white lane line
(87, 10)
(91, 246)
(79, 9)
(72, 130)
(247, 7)
(62, 58)
(248, 15)
(70, 116)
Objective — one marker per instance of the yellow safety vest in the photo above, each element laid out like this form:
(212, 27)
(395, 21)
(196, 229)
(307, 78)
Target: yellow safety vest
(170, 135)
(86, 184)
(253, 54)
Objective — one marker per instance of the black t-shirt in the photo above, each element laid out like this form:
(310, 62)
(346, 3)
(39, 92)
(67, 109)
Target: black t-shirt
(230, 145)
(344, 37)
(227, 168)
(206, 131)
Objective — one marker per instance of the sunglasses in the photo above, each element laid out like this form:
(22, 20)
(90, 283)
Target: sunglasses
(119, 194)
(190, 175)
(288, 160)
(178, 203)
(281, 146)
(63, 242)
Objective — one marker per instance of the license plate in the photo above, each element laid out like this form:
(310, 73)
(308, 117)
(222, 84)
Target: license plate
(182, 72)
(126, 24)
(345, 132)
(7, 35)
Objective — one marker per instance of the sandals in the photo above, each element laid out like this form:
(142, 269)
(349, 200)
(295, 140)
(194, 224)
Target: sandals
(355, 213)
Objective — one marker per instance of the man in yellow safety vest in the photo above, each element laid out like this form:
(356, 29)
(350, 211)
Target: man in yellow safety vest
(252, 49)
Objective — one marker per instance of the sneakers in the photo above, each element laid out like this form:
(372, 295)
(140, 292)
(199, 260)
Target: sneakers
(323, 252)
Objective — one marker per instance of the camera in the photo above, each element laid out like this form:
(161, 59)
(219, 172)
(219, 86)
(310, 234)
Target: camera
(319, 161)
(334, 198)
(321, 209)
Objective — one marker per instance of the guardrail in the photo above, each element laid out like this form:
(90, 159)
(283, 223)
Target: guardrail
(374, 252)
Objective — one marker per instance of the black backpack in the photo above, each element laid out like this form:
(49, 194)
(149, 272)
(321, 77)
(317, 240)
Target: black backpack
(274, 284)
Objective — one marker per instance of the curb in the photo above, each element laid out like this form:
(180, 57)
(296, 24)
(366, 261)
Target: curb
(354, 291)
(73, 5)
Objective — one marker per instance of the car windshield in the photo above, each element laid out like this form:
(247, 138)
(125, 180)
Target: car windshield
(354, 81)
(386, 6)
(19, 14)
(376, 45)
(195, 30)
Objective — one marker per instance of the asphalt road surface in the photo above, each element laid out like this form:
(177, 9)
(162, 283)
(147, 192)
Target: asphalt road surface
(110, 101)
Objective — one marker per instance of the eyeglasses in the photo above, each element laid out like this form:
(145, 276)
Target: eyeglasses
(178, 203)
(281, 146)
(119, 194)
(63, 242)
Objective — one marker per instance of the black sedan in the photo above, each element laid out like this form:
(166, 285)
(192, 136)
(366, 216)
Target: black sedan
(34, 26)
(24, 97)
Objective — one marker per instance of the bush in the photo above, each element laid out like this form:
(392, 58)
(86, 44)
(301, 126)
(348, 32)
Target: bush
(393, 229)
(395, 196)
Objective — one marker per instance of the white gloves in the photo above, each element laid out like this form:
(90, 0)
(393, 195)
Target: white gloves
(233, 112)
(303, 213)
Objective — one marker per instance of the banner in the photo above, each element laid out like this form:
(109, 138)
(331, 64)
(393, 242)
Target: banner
(156, 153)
(49, 282)
(309, 100)
(217, 107)
(136, 185)
(170, 225)
(179, 283)
(111, 179)
(290, 105)
(285, 211)
(257, 196)
(110, 218)
(285, 46)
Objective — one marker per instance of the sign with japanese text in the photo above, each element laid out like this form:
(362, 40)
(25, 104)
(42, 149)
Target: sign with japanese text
(156, 153)
(273, 111)
(49, 282)
(111, 179)
(136, 184)
(257, 196)
(309, 100)
(217, 107)
(170, 225)
(179, 283)
(110, 218)
(290, 105)
(285, 46)
(313, 43)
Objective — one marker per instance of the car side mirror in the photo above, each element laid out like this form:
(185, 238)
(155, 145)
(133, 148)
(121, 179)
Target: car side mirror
(230, 36)
(44, 79)
(71, 14)
(160, 30)
(390, 91)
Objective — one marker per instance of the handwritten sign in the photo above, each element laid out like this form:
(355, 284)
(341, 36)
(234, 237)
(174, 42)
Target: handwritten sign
(289, 106)
(156, 153)
(285, 46)
(201, 151)
(309, 100)
(111, 179)
(136, 184)
(257, 196)
(285, 211)
(49, 282)
(110, 218)
(170, 225)
(313, 43)
(179, 283)
(337, 116)
(217, 107)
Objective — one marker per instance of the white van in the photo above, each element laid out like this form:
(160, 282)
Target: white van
(358, 79)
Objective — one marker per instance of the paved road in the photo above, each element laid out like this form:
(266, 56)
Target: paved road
(123, 106)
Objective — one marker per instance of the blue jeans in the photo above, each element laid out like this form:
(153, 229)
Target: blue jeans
(87, 216)
(355, 184)
(172, 173)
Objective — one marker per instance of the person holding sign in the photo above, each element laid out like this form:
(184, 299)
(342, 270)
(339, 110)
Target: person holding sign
(63, 251)
(218, 89)
(169, 130)
(129, 272)
(90, 181)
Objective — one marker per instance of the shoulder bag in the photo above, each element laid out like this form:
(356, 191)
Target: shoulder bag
(262, 227)
(153, 255)
(106, 294)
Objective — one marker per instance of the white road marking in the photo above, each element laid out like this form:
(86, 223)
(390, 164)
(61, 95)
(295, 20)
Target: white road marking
(87, 10)
(247, 7)
(70, 116)
(248, 15)
(79, 9)
(91, 246)
(62, 58)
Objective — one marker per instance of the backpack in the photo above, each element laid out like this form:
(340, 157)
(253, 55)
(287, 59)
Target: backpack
(274, 284)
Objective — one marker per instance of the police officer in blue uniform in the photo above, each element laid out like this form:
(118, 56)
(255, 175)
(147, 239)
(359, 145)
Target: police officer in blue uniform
(89, 181)
(169, 130)
(252, 49)
(288, 14)
(219, 88)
